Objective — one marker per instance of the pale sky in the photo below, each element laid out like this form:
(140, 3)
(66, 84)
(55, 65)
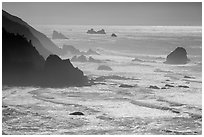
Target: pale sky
(136, 14)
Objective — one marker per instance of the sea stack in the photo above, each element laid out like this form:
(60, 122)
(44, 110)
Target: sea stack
(92, 31)
(178, 56)
(113, 35)
(104, 67)
(57, 35)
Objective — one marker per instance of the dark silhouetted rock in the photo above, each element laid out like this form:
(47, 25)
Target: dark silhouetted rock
(76, 113)
(126, 86)
(60, 73)
(181, 86)
(104, 67)
(22, 65)
(57, 35)
(41, 42)
(21, 62)
(154, 87)
(92, 31)
(189, 77)
(113, 35)
(163, 88)
(178, 56)
(168, 85)
(101, 32)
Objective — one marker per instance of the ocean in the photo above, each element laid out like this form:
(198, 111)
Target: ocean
(157, 98)
(152, 43)
(148, 40)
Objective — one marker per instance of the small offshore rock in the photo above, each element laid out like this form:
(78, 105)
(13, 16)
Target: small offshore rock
(126, 86)
(189, 77)
(181, 86)
(168, 85)
(104, 67)
(113, 35)
(163, 88)
(76, 113)
(154, 87)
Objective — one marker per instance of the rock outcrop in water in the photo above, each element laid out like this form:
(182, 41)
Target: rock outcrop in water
(127, 86)
(74, 51)
(58, 35)
(178, 56)
(22, 65)
(77, 113)
(92, 31)
(104, 67)
(83, 58)
(113, 35)
(154, 87)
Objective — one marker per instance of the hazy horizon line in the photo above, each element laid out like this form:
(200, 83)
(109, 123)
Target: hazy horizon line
(120, 25)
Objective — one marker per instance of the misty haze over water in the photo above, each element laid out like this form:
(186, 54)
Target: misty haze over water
(101, 79)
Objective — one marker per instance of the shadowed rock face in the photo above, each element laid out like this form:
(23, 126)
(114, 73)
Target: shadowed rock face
(22, 65)
(60, 72)
(21, 62)
(41, 42)
(178, 56)
(57, 35)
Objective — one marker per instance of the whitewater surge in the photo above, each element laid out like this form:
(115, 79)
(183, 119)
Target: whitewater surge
(173, 106)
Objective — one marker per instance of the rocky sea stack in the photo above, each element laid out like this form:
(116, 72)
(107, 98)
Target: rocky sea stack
(57, 35)
(92, 31)
(113, 35)
(104, 67)
(178, 56)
